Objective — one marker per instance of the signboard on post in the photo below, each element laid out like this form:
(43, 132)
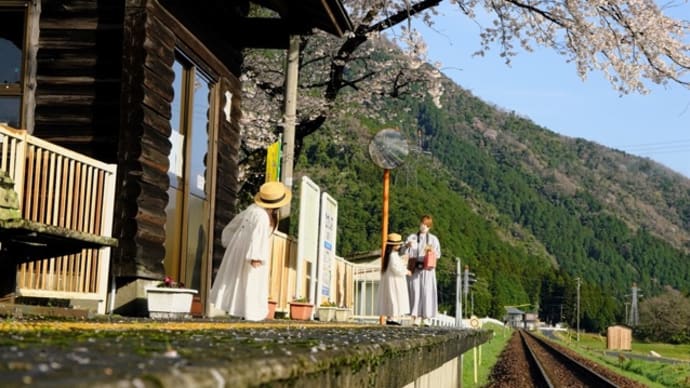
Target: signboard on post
(308, 233)
(328, 227)
(273, 162)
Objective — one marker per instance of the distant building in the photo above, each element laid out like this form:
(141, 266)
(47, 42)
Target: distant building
(531, 321)
(519, 319)
(514, 317)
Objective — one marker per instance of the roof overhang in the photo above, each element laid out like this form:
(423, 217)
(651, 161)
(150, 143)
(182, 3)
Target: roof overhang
(303, 15)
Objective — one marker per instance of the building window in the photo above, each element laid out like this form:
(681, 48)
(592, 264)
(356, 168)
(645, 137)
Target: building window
(187, 212)
(12, 49)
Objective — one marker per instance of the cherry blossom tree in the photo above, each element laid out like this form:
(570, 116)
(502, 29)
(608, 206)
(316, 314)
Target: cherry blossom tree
(633, 42)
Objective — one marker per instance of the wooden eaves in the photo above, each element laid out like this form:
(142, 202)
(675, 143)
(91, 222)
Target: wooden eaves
(295, 18)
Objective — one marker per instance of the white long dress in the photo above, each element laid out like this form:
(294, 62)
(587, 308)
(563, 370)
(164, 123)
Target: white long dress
(422, 283)
(239, 288)
(393, 298)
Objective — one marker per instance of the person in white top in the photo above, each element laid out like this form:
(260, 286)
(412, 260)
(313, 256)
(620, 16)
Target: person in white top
(422, 282)
(393, 298)
(241, 285)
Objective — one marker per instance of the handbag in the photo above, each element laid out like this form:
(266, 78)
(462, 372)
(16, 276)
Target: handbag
(430, 259)
(411, 264)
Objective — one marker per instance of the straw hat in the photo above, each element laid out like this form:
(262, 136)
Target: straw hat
(394, 239)
(272, 195)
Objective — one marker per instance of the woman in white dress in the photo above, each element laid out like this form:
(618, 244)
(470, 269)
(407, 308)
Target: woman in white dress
(422, 282)
(393, 297)
(241, 284)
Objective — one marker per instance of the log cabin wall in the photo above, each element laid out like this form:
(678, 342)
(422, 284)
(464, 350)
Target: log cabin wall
(78, 75)
(152, 33)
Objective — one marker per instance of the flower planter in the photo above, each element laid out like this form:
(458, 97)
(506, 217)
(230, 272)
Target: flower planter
(272, 304)
(342, 315)
(301, 311)
(197, 308)
(325, 314)
(169, 303)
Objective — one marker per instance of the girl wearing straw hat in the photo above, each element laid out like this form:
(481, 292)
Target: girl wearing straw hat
(393, 298)
(241, 284)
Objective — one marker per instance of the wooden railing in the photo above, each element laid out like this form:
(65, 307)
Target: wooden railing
(284, 275)
(59, 187)
(284, 271)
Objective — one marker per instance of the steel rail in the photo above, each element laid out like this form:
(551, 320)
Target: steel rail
(581, 371)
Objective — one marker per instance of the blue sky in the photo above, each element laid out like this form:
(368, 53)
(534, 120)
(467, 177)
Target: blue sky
(542, 86)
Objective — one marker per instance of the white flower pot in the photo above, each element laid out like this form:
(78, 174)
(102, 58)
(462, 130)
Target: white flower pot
(169, 303)
(342, 314)
(325, 314)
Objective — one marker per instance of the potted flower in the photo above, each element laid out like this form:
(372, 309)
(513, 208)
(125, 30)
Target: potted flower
(272, 304)
(342, 314)
(326, 311)
(169, 300)
(301, 309)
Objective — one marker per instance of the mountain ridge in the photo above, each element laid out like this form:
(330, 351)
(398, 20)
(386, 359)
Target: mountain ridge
(605, 161)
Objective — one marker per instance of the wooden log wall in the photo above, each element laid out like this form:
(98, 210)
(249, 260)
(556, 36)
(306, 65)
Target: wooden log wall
(151, 35)
(78, 75)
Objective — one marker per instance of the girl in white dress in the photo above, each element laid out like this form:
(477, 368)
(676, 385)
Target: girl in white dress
(393, 297)
(241, 284)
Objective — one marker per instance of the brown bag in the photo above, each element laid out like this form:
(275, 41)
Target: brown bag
(411, 264)
(430, 259)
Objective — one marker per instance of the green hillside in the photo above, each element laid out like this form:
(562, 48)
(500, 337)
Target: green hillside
(527, 209)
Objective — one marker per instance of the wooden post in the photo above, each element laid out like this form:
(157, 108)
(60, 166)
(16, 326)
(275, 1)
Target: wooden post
(384, 223)
(384, 212)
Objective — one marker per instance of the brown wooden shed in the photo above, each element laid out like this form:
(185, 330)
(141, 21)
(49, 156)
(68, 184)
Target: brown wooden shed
(619, 337)
(152, 86)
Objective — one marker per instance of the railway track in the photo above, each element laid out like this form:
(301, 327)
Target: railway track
(531, 361)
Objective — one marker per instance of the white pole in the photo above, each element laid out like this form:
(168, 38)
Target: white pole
(288, 147)
(458, 294)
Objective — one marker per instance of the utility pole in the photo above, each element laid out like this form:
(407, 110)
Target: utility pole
(578, 309)
(634, 319)
(289, 118)
(466, 288)
(458, 293)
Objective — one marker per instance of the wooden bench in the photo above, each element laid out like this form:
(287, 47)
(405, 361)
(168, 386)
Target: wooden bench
(56, 215)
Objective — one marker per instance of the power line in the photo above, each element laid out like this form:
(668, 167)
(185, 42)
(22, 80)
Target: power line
(649, 153)
(657, 143)
(665, 147)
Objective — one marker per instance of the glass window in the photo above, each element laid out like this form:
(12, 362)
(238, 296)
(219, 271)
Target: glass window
(12, 28)
(187, 219)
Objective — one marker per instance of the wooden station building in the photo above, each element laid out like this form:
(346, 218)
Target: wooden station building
(153, 87)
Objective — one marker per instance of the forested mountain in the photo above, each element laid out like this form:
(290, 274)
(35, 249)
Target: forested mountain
(528, 210)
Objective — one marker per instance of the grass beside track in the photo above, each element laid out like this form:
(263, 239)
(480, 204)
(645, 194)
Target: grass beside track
(490, 352)
(650, 372)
